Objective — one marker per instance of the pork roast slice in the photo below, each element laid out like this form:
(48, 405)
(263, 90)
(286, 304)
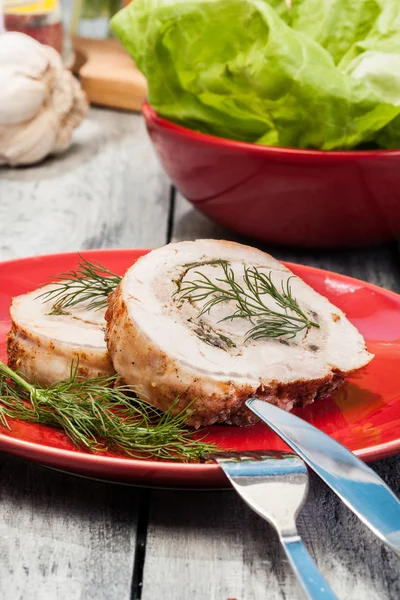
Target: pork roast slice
(163, 346)
(43, 346)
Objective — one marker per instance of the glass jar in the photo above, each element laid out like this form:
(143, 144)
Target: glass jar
(41, 20)
(91, 18)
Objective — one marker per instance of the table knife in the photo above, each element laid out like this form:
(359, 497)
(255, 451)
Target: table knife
(360, 488)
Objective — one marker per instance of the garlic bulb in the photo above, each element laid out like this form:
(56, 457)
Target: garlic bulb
(40, 101)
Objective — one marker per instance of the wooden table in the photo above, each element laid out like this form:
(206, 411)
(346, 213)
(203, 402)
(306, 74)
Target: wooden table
(67, 538)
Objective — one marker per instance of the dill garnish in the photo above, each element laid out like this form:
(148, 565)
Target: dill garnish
(249, 302)
(91, 282)
(97, 416)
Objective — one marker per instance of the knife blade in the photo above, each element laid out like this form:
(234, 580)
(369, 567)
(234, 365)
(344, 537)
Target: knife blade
(356, 484)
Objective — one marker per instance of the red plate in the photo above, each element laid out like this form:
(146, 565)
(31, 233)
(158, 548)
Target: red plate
(364, 415)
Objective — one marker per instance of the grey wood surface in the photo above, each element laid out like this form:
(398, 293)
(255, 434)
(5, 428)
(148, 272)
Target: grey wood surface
(63, 537)
(66, 537)
(108, 191)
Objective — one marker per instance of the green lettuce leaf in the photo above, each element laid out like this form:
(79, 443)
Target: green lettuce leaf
(376, 61)
(242, 69)
(335, 24)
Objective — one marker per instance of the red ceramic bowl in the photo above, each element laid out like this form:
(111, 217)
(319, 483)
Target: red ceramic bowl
(283, 195)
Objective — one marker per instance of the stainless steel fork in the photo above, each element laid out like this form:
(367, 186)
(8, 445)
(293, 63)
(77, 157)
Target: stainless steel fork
(275, 486)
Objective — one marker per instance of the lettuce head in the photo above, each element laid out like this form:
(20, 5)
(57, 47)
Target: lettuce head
(293, 73)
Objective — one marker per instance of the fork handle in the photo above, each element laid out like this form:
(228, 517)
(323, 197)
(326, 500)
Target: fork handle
(306, 570)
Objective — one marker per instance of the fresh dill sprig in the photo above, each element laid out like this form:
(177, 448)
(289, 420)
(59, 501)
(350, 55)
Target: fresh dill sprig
(249, 301)
(91, 282)
(97, 416)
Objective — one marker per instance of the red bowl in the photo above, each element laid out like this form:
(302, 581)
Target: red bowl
(305, 198)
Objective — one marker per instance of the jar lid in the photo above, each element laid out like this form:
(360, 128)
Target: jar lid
(27, 7)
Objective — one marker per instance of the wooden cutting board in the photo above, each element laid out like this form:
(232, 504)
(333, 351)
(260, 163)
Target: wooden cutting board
(108, 75)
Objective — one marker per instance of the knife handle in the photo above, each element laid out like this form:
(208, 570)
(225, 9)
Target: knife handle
(314, 585)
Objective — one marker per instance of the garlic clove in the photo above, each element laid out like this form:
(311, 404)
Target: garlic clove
(21, 97)
(71, 120)
(62, 93)
(24, 54)
(31, 143)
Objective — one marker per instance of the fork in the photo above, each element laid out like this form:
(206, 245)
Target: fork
(275, 486)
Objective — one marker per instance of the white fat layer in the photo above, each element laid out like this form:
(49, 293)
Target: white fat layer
(80, 327)
(148, 289)
(44, 346)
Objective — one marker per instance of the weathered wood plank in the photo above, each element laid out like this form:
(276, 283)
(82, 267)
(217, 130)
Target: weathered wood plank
(63, 537)
(107, 191)
(189, 223)
(211, 546)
